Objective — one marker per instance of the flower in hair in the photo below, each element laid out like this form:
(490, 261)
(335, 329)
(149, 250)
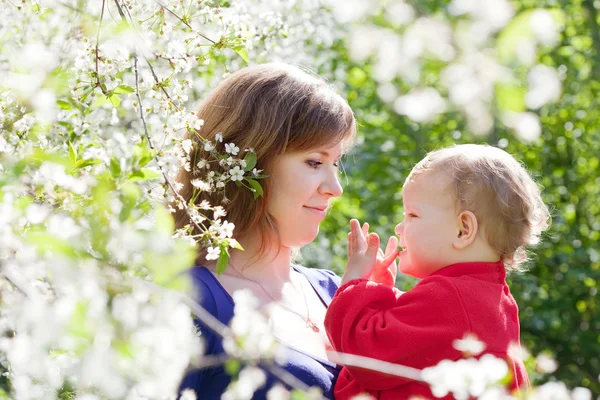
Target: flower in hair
(232, 148)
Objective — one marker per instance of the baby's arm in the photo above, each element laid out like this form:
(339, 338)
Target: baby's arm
(414, 329)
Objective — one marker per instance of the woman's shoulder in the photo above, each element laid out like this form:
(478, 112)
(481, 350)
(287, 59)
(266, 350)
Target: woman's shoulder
(209, 293)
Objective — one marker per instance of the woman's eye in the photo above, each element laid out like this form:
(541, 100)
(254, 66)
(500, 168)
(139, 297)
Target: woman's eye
(314, 164)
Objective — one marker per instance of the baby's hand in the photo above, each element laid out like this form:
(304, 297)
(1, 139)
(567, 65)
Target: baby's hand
(385, 269)
(362, 252)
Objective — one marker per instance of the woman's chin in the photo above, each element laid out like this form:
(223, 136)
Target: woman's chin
(301, 240)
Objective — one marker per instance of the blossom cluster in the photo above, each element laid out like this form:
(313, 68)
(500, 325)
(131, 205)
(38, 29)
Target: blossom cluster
(481, 60)
(96, 102)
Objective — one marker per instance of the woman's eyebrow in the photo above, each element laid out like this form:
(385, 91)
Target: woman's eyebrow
(327, 154)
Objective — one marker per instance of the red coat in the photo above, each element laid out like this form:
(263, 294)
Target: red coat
(417, 328)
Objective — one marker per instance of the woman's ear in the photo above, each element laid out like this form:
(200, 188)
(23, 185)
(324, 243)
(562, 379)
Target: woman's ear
(467, 230)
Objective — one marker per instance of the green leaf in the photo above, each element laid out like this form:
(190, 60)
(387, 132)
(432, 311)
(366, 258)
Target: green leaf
(123, 89)
(72, 153)
(235, 244)
(22, 202)
(47, 243)
(168, 268)
(258, 191)
(142, 154)
(510, 98)
(357, 77)
(232, 367)
(242, 52)
(250, 160)
(84, 163)
(223, 260)
(63, 105)
(164, 220)
(130, 194)
(114, 167)
(100, 101)
(518, 30)
(144, 174)
(115, 100)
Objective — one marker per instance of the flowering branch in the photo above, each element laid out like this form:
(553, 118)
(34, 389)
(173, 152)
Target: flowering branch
(185, 23)
(375, 365)
(98, 84)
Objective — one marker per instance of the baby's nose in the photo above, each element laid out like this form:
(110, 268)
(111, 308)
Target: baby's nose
(398, 229)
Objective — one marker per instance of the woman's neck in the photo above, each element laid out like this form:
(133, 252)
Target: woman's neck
(270, 266)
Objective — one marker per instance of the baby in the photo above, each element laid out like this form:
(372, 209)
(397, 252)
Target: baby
(469, 211)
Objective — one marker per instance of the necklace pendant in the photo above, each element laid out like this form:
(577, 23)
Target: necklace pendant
(312, 325)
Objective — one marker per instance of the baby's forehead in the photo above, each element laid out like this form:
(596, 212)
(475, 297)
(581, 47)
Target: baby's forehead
(427, 179)
(429, 185)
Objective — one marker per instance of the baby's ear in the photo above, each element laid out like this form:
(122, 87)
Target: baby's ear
(467, 230)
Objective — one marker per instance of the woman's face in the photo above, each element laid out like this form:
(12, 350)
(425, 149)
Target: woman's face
(301, 187)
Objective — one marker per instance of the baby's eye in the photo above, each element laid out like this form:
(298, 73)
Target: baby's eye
(412, 215)
(314, 164)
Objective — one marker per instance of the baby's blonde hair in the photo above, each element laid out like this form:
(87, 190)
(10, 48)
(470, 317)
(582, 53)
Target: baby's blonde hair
(500, 192)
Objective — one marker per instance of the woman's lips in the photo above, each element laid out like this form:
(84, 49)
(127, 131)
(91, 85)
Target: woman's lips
(320, 211)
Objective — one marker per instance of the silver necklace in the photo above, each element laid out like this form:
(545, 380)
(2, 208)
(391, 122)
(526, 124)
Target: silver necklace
(309, 323)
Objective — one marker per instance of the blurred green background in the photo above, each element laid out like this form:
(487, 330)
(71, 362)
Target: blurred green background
(557, 296)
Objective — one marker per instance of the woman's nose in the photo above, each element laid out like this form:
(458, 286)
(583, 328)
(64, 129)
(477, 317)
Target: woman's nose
(331, 186)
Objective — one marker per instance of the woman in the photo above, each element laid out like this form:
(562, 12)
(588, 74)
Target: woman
(299, 128)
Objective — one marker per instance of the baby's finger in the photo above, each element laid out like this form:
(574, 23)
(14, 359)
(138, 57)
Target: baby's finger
(389, 259)
(350, 248)
(373, 243)
(360, 242)
(365, 229)
(392, 245)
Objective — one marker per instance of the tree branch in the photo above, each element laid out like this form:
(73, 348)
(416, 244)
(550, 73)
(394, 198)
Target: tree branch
(98, 84)
(185, 23)
(376, 365)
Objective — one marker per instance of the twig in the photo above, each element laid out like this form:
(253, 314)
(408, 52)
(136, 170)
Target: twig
(375, 365)
(167, 181)
(75, 9)
(213, 361)
(223, 331)
(16, 282)
(97, 54)
(145, 58)
(185, 23)
(288, 378)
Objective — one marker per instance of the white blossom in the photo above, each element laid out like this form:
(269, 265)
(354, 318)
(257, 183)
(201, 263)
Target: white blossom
(545, 363)
(236, 173)
(213, 253)
(232, 148)
(544, 86)
(420, 105)
(469, 344)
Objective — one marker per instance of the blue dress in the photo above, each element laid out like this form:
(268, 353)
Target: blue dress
(210, 383)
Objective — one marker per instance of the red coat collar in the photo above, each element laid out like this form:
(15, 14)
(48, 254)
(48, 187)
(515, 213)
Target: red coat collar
(492, 269)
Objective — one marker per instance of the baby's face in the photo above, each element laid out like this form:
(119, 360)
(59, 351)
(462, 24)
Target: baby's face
(429, 226)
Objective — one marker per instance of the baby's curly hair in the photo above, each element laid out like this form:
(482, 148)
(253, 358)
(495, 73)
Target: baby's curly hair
(500, 192)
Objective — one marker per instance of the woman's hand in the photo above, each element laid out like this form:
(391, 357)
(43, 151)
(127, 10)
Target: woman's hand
(365, 258)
